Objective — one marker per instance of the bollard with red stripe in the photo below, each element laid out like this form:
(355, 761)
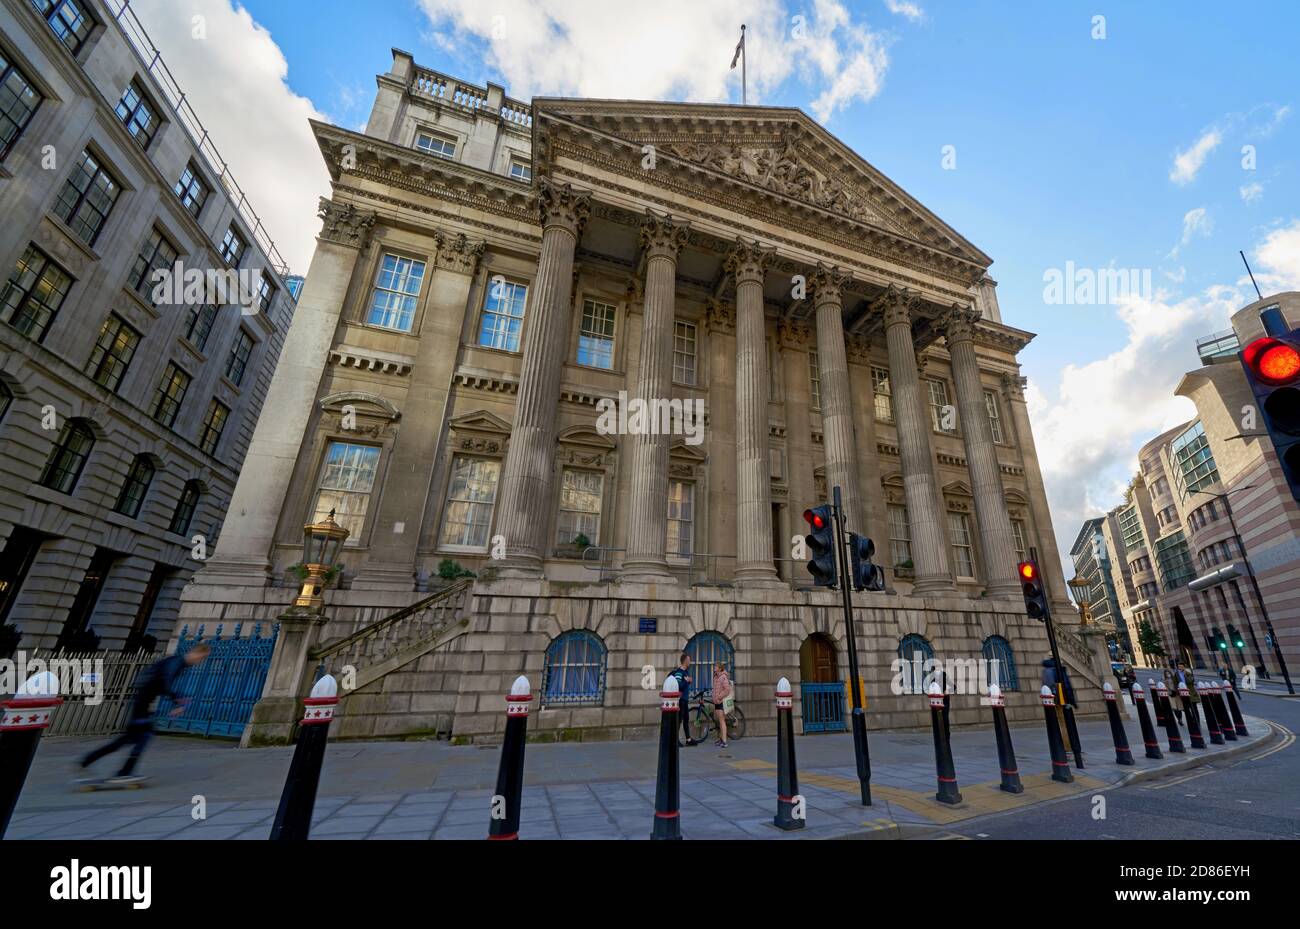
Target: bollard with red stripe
(1211, 714)
(1238, 721)
(1123, 754)
(1060, 763)
(948, 792)
(1157, 701)
(787, 773)
(23, 720)
(1144, 718)
(668, 824)
(1006, 751)
(1193, 717)
(1172, 733)
(293, 818)
(508, 801)
(1221, 711)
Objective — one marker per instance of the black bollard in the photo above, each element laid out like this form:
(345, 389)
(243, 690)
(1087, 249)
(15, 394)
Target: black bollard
(1006, 751)
(1144, 719)
(668, 824)
(948, 792)
(1123, 754)
(1238, 721)
(1060, 763)
(1172, 733)
(1193, 717)
(293, 818)
(1221, 711)
(787, 773)
(1211, 715)
(504, 824)
(1157, 701)
(22, 723)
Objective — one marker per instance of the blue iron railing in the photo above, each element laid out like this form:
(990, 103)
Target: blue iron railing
(823, 707)
(222, 689)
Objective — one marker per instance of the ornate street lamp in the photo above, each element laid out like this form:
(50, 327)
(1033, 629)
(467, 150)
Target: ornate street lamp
(1079, 589)
(321, 543)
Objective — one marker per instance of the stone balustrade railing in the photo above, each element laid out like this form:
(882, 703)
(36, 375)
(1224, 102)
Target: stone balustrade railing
(431, 84)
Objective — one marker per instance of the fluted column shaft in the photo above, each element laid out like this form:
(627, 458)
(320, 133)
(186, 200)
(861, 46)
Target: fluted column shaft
(997, 544)
(526, 486)
(647, 533)
(753, 463)
(836, 397)
(924, 514)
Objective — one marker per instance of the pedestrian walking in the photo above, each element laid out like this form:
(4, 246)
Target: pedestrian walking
(160, 679)
(682, 673)
(1171, 682)
(724, 700)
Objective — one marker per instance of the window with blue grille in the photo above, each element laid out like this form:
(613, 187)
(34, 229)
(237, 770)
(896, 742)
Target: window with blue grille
(999, 649)
(914, 651)
(575, 669)
(705, 649)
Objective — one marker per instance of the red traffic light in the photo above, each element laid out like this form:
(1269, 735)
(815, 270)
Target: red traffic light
(1273, 362)
(814, 519)
(1029, 571)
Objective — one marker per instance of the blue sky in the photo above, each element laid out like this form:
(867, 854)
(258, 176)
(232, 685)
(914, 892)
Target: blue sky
(1067, 148)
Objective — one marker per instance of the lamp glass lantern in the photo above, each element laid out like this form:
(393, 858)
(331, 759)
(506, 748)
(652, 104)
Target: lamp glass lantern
(321, 543)
(1080, 590)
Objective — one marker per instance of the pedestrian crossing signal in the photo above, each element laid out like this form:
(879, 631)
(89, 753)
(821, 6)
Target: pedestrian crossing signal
(1031, 582)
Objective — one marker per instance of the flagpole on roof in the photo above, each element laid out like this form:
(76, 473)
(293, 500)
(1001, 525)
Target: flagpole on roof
(743, 58)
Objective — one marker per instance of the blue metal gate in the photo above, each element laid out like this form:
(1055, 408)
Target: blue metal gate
(823, 707)
(224, 687)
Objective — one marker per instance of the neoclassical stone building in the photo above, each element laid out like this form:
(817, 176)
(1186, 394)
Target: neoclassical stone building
(490, 274)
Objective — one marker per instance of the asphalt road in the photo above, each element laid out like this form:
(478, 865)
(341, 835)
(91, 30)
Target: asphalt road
(1253, 796)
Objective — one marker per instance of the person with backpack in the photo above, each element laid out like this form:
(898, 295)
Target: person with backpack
(682, 675)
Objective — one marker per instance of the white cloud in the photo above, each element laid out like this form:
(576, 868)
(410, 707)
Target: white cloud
(1278, 259)
(1197, 223)
(1252, 192)
(903, 8)
(1275, 120)
(1188, 163)
(236, 80)
(667, 50)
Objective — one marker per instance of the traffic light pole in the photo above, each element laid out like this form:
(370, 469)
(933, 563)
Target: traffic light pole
(1056, 655)
(861, 752)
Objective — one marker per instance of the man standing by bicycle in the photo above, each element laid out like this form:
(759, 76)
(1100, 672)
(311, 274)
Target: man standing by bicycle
(682, 675)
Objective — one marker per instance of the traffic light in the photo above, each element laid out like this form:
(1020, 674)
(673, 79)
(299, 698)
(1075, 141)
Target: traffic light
(1235, 636)
(821, 546)
(866, 576)
(1219, 641)
(1272, 366)
(1035, 595)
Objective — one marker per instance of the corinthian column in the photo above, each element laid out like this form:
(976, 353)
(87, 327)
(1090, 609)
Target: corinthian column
(836, 395)
(925, 516)
(754, 565)
(647, 532)
(526, 491)
(997, 545)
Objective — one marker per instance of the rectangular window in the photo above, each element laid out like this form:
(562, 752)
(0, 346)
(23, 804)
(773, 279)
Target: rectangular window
(521, 170)
(35, 292)
(134, 489)
(1174, 561)
(156, 254)
(436, 144)
(685, 341)
(240, 352)
(814, 379)
(233, 247)
(681, 520)
(87, 198)
(69, 20)
(940, 411)
(346, 486)
(580, 499)
(1130, 527)
(471, 497)
(138, 115)
(18, 103)
(884, 395)
(113, 352)
(962, 553)
(170, 395)
(900, 536)
(213, 425)
(266, 292)
(1194, 467)
(995, 416)
(596, 336)
(198, 326)
(192, 190)
(503, 315)
(1018, 533)
(397, 291)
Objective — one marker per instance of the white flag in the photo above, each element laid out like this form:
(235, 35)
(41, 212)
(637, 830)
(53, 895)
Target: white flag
(740, 49)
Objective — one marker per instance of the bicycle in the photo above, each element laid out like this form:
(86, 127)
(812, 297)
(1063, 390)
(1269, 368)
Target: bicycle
(702, 721)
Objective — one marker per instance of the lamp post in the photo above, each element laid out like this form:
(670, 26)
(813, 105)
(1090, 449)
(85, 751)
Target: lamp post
(321, 543)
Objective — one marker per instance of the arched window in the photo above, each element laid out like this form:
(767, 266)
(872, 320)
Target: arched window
(135, 487)
(575, 669)
(998, 649)
(68, 457)
(914, 651)
(705, 649)
(6, 398)
(910, 645)
(185, 507)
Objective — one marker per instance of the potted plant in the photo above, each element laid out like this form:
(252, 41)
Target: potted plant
(575, 548)
(904, 569)
(451, 571)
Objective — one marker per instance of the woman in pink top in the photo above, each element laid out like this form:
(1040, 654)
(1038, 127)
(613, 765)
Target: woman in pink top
(721, 691)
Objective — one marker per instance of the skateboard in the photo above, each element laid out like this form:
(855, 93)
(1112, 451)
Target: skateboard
(112, 783)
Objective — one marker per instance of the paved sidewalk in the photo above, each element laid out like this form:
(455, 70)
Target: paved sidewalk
(422, 790)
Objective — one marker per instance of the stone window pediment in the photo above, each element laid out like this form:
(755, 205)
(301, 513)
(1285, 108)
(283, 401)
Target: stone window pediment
(584, 447)
(361, 404)
(480, 432)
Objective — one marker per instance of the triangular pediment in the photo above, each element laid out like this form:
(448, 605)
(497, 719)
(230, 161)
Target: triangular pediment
(779, 151)
(480, 421)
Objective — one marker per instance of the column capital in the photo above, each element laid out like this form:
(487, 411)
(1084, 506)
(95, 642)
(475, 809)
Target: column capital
(747, 261)
(958, 323)
(561, 205)
(344, 224)
(828, 284)
(897, 306)
(458, 252)
(662, 236)
(719, 317)
(792, 333)
(1013, 386)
